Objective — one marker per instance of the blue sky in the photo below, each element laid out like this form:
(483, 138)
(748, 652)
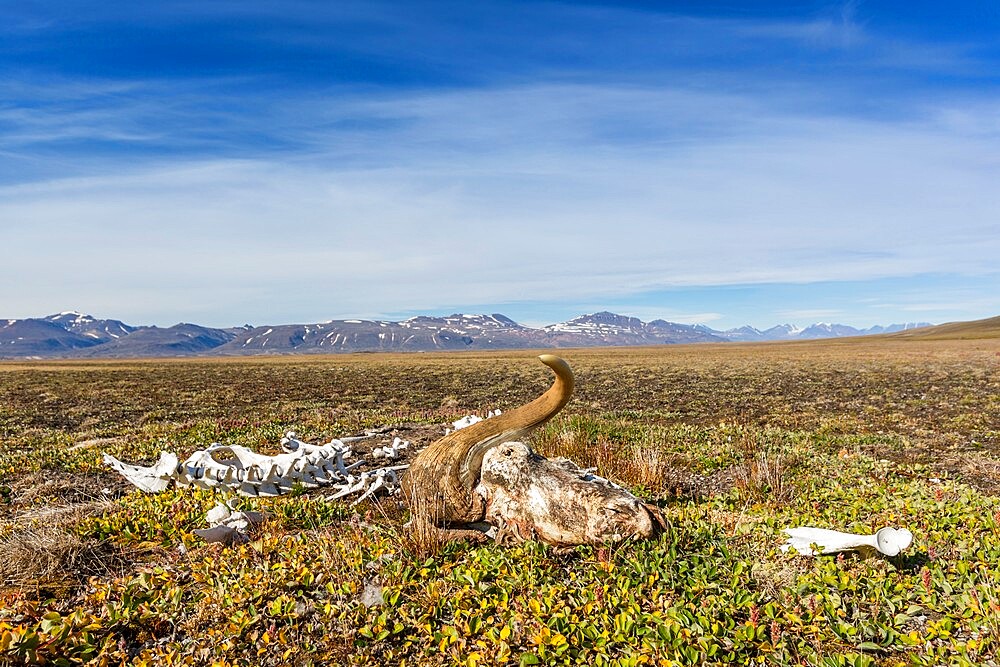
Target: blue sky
(704, 162)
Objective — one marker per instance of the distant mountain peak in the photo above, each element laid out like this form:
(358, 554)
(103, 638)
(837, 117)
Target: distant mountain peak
(74, 334)
(604, 323)
(102, 331)
(609, 328)
(70, 316)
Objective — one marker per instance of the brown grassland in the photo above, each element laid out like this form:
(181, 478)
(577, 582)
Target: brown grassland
(735, 442)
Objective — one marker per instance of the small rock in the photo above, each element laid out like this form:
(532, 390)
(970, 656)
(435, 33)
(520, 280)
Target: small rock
(372, 595)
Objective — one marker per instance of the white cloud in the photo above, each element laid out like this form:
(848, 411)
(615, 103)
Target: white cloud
(534, 193)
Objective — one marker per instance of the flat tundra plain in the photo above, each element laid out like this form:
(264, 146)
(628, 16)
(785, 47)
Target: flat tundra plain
(734, 442)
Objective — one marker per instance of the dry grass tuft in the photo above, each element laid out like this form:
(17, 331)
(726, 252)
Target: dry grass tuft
(420, 535)
(61, 490)
(47, 557)
(762, 474)
(39, 552)
(645, 465)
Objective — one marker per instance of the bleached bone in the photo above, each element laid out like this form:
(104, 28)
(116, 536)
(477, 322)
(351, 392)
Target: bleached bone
(886, 541)
(352, 485)
(391, 452)
(530, 497)
(241, 470)
(227, 526)
(370, 482)
(377, 482)
(469, 420)
(153, 479)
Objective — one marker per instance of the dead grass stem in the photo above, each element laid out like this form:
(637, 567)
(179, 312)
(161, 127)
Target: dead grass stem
(762, 474)
(39, 551)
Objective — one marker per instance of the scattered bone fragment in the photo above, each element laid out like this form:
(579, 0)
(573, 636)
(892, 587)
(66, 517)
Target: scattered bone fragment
(392, 451)
(368, 482)
(153, 479)
(469, 420)
(227, 526)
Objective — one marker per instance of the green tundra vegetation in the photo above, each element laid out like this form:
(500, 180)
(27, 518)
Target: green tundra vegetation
(734, 442)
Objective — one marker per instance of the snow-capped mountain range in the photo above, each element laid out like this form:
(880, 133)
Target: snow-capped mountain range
(813, 332)
(73, 334)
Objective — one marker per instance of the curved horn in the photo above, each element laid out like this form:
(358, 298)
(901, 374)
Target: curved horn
(447, 472)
